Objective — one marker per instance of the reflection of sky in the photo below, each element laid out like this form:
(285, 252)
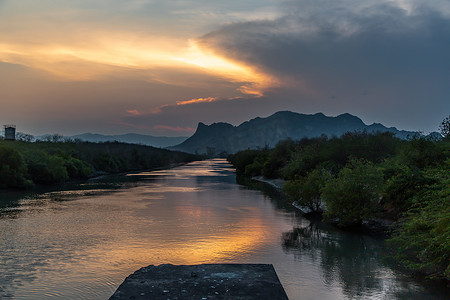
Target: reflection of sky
(214, 167)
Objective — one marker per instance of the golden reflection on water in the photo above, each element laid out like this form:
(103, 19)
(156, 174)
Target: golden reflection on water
(182, 233)
(171, 189)
(222, 247)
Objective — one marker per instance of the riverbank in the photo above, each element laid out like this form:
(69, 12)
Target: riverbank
(378, 226)
(26, 164)
(276, 183)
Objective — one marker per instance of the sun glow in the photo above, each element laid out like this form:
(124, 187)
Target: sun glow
(201, 58)
(254, 82)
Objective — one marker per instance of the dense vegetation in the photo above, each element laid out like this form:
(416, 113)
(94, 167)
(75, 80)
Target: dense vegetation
(23, 164)
(361, 177)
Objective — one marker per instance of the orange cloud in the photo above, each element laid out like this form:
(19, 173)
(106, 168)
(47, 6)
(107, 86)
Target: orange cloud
(134, 112)
(197, 100)
(159, 109)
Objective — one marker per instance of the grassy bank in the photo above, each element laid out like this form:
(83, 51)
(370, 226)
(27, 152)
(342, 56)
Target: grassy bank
(361, 177)
(24, 164)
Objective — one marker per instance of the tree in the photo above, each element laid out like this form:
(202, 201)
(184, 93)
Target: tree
(422, 238)
(353, 196)
(444, 128)
(404, 182)
(25, 137)
(307, 190)
(56, 138)
(13, 170)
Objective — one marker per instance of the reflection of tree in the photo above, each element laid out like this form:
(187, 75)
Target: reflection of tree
(21, 255)
(351, 260)
(273, 194)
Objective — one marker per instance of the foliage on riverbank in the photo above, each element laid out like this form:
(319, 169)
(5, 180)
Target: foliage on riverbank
(23, 164)
(360, 177)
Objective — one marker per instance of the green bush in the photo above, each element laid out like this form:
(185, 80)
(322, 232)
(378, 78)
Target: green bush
(77, 168)
(422, 239)
(243, 158)
(46, 169)
(13, 170)
(422, 153)
(254, 169)
(402, 183)
(353, 196)
(307, 190)
(271, 167)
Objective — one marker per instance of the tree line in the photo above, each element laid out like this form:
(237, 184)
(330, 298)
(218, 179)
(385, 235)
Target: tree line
(360, 177)
(24, 164)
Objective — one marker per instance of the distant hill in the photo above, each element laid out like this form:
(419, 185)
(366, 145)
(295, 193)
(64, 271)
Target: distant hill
(131, 138)
(224, 138)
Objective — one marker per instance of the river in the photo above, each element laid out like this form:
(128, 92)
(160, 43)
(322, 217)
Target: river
(81, 241)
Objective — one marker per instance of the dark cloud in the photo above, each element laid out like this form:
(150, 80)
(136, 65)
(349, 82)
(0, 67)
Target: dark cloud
(388, 41)
(370, 57)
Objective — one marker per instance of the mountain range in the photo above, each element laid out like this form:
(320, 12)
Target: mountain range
(224, 138)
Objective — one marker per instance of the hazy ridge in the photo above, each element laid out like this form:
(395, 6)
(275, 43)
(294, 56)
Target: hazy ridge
(222, 138)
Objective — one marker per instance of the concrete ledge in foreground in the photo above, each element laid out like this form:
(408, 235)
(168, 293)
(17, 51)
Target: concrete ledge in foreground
(207, 281)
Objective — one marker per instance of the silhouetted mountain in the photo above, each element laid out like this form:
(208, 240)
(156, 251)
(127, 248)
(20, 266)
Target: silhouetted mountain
(261, 132)
(131, 138)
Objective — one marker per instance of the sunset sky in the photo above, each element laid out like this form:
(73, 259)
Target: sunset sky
(159, 67)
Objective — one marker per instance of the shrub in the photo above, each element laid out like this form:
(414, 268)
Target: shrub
(307, 190)
(422, 239)
(241, 159)
(353, 196)
(46, 169)
(402, 183)
(13, 170)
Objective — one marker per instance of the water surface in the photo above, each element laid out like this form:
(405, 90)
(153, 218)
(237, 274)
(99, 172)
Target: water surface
(81, 242)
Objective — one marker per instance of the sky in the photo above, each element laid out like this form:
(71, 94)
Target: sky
(159, 67)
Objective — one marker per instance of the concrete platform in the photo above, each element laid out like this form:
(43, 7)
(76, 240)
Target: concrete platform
(202, 282)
